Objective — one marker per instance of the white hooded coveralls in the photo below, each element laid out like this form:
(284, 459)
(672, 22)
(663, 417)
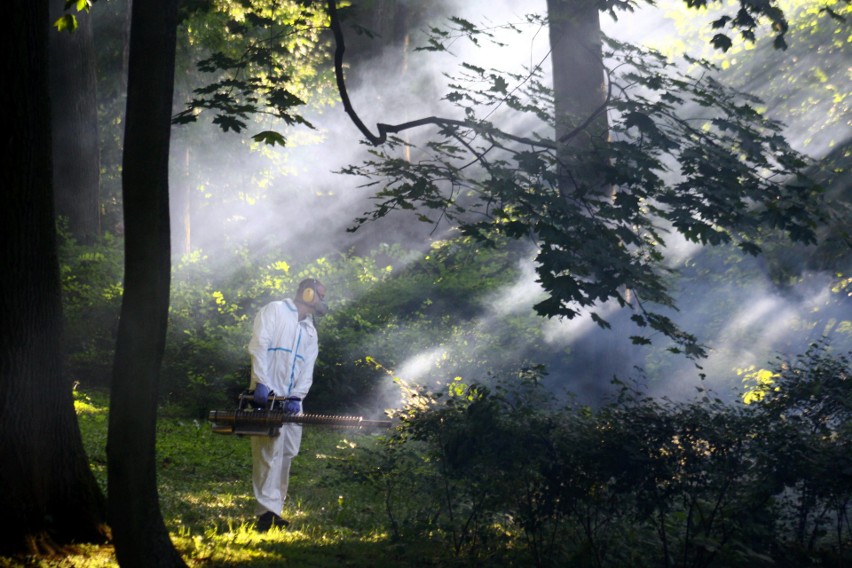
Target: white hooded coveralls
(283, 352)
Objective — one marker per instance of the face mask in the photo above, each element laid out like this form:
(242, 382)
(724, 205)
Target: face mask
(320, 308)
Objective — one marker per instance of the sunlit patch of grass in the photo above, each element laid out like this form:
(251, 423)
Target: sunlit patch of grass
(231, 544)
(85, 406)
(92, 417)
(79, 556)
(207, 500)
(310, 545)
(208, 506)
(90, 402)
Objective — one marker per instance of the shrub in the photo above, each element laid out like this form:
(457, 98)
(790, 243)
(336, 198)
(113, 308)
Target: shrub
(92, 286)
(641, 482)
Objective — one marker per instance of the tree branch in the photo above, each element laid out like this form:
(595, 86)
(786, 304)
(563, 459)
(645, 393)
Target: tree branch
(385, 129)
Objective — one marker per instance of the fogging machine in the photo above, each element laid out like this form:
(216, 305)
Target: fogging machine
(249, 420)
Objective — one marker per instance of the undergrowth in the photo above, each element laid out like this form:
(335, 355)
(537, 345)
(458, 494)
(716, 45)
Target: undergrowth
(508, 475)
(206, 499)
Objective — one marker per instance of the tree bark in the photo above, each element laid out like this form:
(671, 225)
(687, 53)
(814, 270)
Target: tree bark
(76, 154)
(582, 134)
(140, 536)
(48, 494)
(579, 89)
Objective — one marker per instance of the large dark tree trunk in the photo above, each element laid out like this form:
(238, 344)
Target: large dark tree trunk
(76, 155)
(140, 536)
(48, 495)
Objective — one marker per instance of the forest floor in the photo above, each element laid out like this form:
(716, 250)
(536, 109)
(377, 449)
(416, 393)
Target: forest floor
(206, 500)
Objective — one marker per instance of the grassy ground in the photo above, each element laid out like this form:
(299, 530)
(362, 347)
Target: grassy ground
(207, 503)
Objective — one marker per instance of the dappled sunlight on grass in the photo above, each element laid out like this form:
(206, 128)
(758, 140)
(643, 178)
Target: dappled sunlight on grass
(92, 416)
(89, 403)
(207, 502)
(236, 543)
(641, 469)
(86, 407)
(81, 556)
(218, 504)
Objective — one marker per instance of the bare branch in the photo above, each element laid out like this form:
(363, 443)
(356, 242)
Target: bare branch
(385, 129)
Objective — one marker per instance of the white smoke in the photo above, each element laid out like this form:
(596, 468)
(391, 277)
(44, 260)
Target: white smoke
(293, 200)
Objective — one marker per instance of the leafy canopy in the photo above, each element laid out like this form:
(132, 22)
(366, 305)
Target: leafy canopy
(263, 61)
(687, 156)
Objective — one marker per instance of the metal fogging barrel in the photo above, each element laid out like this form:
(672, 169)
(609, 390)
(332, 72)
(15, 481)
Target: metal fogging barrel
(256, 422)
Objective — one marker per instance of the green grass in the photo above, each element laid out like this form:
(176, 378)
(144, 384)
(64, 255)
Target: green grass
(207, 503)
(470, 505)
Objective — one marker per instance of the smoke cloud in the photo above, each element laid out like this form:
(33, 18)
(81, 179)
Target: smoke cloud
(291, 200)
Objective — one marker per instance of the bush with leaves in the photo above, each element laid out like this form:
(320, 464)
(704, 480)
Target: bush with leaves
(92, 286)
(805, 428)
(389, 305)
(505, 472)
(206, 362)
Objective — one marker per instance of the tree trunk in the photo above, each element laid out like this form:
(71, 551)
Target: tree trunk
(582, 133)
(48, 494)
(76, 156)
(140, 536)
(579, 89)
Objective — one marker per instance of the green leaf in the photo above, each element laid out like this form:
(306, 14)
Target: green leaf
(641, 121)
(750, 248)
(530, 162)
(721, 41)
(639, 340)
(80, 5)
(270, 137)
(602, 323)
(474, 68)
(66, 23)
(227, 123)
(720, 23)
(500, 84)
(184, 117)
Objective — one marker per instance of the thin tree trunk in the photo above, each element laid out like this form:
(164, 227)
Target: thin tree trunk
(48, 494)
(141, 538)
(125, 53)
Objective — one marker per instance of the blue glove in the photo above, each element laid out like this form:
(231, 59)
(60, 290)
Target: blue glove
(293, 405)
(261, 395)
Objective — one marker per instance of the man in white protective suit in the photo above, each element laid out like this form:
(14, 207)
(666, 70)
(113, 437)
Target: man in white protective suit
(283, 350)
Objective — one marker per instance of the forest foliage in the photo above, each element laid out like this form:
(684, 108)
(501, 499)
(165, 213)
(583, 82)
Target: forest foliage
(495, 455)
(641, 481)
(396, 301)
(506, 474)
